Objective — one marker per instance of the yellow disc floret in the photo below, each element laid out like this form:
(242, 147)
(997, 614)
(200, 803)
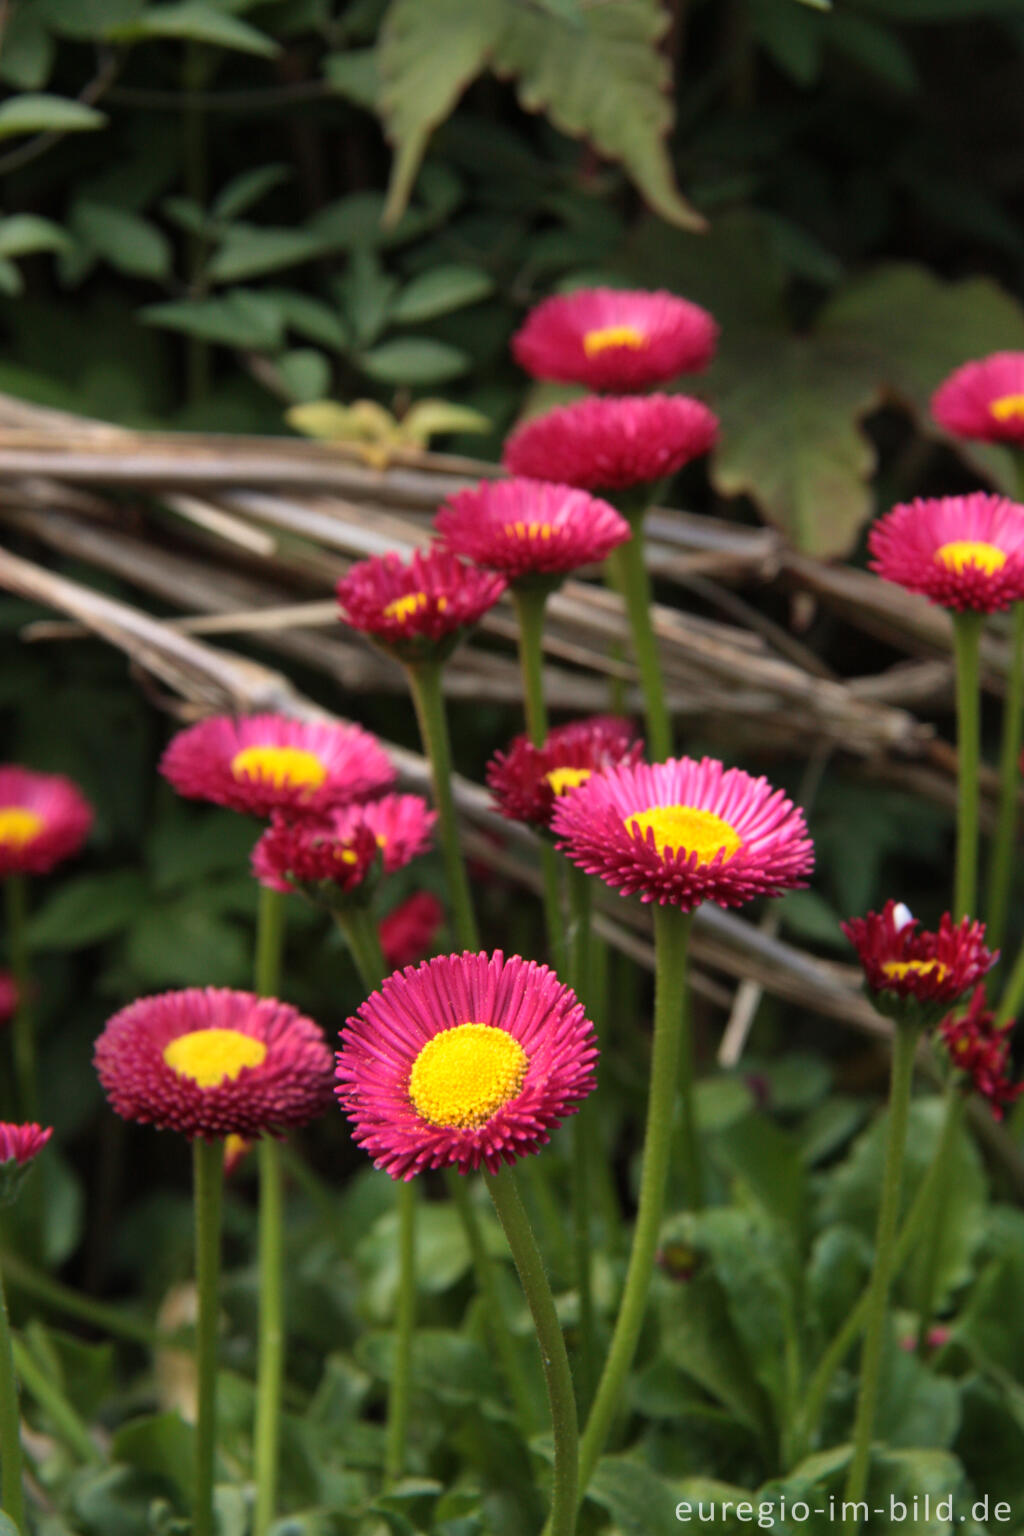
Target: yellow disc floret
(964, 552)
(18, 825)
(688, 829)
(564, 779)
(213, 1056)
(1008, 408)
(529, 530)
(465, 1074)
(283, 767)
(412, 603)
(613, 336)
(900, 969)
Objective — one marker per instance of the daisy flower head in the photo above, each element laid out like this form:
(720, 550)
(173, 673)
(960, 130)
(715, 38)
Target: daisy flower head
(684, 832)
(612, 338)
(984, 400)
(330, 856)
(530, 530)
(612, 443)
(44, 819)
(417, 609)
(979, 1048)
(19, 1145)
(264, 763)
(526, 781)
(214, 1063)
(408, 932)
(915, 975)
(467, 1060)
(961, 552)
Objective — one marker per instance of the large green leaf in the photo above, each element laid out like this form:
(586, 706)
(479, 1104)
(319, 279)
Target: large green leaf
(250, 250)
(46, 114)
(598, 75)
(195, 22)
(126, 241)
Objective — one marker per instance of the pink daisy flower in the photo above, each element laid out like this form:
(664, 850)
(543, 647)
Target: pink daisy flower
(529, 528)
(526, 781)
(341, 848)
(214, 1063)
(418, 609)
(264, 763)
(914, 974)
(407, 933)
(979, 1047)
(684, 832)
(984, 400)
(467, 1060)
(44, 819)
(962, 552)
(611, 338)
(21, 1143)
(612, 443)
(8, 997)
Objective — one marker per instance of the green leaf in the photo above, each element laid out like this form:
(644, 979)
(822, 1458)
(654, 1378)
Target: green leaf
(198, 23)
(768, 1162)
(325, 420)
(638, 1501)
(250, 250)
(11, 281)
(428, 418)
(25, 233)
(46, 114)
(180, 944)
(355, 76)
(126, 241)
(26, 58)
(310, 318)
(439, 291)
(698, 1335)
(413, 360)
(791, 35)
(240, 319)
(162, 1445)
(86, 909)
(244, 191)
(305, 372)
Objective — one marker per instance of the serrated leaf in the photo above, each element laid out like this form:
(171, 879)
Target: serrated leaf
(45, 114)
(439, 291)
(22, 234)
(126, 241)
(413, 360)
(198, 23)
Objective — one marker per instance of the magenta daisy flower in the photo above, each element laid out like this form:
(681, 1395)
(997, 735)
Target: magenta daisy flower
(19, 1145)
(611, 338)
(44, 819)
(914, 974)
(530, 528)
(214, 1063)
(417, 609)
(962, 552)
(341, 848)
(467, 1060)
(684, 832)
(984, 400)
(980, 1048)
(407, 933)
(263, 763)
(526, 780)
(611, 444)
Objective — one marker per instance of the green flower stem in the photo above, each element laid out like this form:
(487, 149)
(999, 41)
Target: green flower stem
(671, 932)
(530, 604)
(23, 1276)
(69, 1425)
(1003, 843)
(209, 1185)
(12, 1499)
(967, 629)
(583, 1159)
(23, 1024)
(904, 1045)
(629, 574)
(931, 1251)
(425, 685)
(360, 929)
(512, 1215)
(270, 1354)
(928, 1191)
(1013, 992)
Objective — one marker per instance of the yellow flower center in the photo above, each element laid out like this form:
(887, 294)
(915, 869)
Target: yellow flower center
(529, 530)
(465, 1074)
(564, 779)
(690, 830)
(900, 969)
(413, 602)
(964, 552)
(212, 1056)
(613, 336)
(283, 767)
(19, 826)
(1009, 408)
